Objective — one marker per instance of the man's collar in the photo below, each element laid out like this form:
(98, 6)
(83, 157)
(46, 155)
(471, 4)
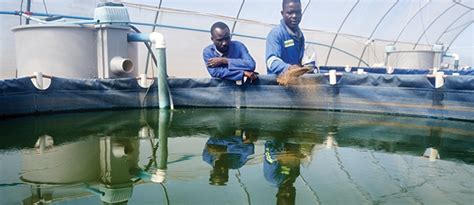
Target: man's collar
(218, 52)
(297, 34)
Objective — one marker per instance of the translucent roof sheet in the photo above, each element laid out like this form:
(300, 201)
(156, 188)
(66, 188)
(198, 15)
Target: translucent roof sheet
(354, 28)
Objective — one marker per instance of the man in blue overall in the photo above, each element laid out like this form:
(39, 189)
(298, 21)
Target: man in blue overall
(227, 59)
(281, 167)
(224, 153)
(285, 44)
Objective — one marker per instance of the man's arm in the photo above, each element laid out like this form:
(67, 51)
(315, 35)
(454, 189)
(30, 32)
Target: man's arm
(245, 62)
(220, 71)
(275, 65)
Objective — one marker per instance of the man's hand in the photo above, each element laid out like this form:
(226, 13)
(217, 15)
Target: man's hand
(290, 75)
(250, 75)
(217, 62)
(296, 70)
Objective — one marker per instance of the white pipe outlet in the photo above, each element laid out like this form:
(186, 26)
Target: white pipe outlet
(332, 77)
(119, 65)
(158, 40)
(39, 80)
(159, 176)
(439, 79)
(455, 56)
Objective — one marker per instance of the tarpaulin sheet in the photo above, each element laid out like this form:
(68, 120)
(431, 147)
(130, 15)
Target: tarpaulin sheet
(406, 94)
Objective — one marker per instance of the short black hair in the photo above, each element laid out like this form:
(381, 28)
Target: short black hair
(285, 2)
(220, 25)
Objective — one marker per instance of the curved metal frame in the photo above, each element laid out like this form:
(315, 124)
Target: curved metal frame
(338, 31)
(237, 17)
(306, 7)
(375, 29)
(431, 24)
(409, 21)
(457, 35)
(452, 23)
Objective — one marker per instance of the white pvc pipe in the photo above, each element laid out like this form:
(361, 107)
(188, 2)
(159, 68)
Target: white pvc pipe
(119, 65)
(143, 80)
(390, 69)
(439, 79)
(332, 77)
(455, 56)
(347, 68)
(39, 79)
(158, 40)
(164, 96)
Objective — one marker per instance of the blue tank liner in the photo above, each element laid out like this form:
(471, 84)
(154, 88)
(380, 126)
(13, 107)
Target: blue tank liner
(401, 94)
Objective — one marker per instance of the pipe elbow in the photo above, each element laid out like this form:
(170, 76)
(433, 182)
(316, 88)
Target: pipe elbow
(456, 56)
(158, 40)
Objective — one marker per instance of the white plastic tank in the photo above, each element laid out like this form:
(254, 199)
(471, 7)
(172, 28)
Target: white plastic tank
(79, 51)
(59, 50)
(64, 164)
(412, 59)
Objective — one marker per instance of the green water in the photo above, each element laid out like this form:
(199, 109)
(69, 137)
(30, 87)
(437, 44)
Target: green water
(232, 156)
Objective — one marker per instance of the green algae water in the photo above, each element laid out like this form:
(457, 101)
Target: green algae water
(235, 156)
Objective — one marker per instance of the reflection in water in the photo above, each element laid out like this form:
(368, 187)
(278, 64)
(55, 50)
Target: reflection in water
(281, 167)
(106, 166)
(308, 157)
(224, 153)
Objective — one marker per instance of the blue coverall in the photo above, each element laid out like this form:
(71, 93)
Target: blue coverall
(239, 61)
(283, 49)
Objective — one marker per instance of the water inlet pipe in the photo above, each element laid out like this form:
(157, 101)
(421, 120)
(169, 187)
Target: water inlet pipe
(164, 120)
(119, 65)
(455, 56)
(158, 40)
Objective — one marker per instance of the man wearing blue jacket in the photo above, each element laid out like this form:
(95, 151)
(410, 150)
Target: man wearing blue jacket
(227, 59)
(285, 43)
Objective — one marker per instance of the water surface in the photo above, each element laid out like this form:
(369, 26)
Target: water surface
(235, 156)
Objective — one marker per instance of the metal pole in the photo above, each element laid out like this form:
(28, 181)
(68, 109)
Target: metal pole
(409, 21)
(306, 7)
(450, 25)
(431, 24)
(237, 17)
(153, 30)
(457, 35)
(28, 10)
(339, 30)
(375, 29)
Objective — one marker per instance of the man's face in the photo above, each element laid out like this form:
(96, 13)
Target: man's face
(292, 14)
(221, 39)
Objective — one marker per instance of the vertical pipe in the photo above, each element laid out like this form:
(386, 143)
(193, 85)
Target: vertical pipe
(163, 134)
(162, 76)
(153, 30)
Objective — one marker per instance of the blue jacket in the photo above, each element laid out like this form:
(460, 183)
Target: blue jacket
(276, 173)
(239, 61)
(238, 152)
(283, 49)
